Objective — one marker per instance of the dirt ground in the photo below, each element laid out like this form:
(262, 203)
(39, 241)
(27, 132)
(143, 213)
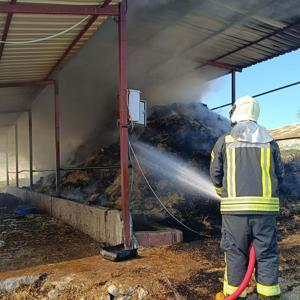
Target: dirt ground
(72, 269)
(38, 239)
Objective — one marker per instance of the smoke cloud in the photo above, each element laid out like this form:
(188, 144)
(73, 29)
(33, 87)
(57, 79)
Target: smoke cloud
(168, 40)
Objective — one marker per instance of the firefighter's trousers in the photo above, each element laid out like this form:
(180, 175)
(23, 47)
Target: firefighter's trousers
(238, 232)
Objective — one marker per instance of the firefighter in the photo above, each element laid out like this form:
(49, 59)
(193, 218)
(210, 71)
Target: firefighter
(246, 170)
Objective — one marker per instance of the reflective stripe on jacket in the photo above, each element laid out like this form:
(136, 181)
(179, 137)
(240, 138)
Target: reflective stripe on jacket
(246, 175)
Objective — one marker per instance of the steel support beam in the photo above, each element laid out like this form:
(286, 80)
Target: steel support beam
(17, 154)
(233, 88)
(30, 149)
(57, 9)
(25, 83)
(223, 66)
(7, 160)
(263, 93)
(87, 26)
(277, 89)
(7, 112)
(57, 135)
(124, 118)
(6, 29)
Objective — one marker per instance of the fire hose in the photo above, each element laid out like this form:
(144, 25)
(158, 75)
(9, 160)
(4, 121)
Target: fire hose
(246, 280)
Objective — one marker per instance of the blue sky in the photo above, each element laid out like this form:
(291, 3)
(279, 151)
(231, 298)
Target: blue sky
(277, 109)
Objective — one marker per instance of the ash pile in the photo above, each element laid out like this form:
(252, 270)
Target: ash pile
(174, 152)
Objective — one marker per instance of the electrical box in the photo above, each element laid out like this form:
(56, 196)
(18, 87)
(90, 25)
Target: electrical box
(137, 107)
(134, 99)
(143, 113)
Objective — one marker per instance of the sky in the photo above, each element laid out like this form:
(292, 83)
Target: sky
(277, 109)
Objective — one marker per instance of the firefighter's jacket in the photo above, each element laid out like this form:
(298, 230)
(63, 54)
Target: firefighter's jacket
(246, 170)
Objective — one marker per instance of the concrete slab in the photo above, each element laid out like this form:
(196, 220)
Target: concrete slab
(99, 223)
(114, 227)
(148, 239)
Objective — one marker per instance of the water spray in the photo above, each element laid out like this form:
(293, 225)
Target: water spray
(176, 170)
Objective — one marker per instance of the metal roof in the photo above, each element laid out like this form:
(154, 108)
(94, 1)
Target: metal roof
(38, 61)
(170, 38)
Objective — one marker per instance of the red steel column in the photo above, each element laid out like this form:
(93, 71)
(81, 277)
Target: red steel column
(7, 159)
(30, 149)
(123, 110)
(17, 155)
(57, 135)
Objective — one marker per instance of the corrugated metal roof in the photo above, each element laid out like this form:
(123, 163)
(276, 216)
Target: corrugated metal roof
(26, 62)
(168, 40)
(228, 32)
(245, 35)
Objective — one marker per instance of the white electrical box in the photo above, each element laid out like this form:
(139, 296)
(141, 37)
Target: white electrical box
(137, 107)
(143, 113)
(134, 98)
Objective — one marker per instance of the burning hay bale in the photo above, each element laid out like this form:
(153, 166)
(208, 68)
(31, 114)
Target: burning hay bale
(174, 154)
(182, 133)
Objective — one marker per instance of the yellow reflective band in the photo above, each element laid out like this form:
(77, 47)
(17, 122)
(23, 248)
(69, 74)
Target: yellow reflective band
(218, 190)
(250, 204)
(230, 289)
(265, 162)
(263, 171)
(229, 186)
(269, 183)
(273, 290)
(229, 139)
(251, 207)
(212, 156)
(251, 201)
(233, 173)
(248, 197)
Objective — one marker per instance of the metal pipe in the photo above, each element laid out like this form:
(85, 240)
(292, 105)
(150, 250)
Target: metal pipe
(233, 89)
(221, 106)
(7, 161)
(17, 155)
(57, 135)
(262, 94)
(30, 149)
(58, 9)
(278, 89)
(90, 168)
(25, 83)
(124, 118)
(6, 29)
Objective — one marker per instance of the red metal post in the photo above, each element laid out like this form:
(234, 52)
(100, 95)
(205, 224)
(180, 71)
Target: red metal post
(57, 135)
(17, 154)
(124, 118)
(7, 160)
(30, 149)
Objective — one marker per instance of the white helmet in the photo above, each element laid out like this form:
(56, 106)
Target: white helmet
(245, 109)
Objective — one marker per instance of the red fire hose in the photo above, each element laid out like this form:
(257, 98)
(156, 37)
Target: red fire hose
(247, 278)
